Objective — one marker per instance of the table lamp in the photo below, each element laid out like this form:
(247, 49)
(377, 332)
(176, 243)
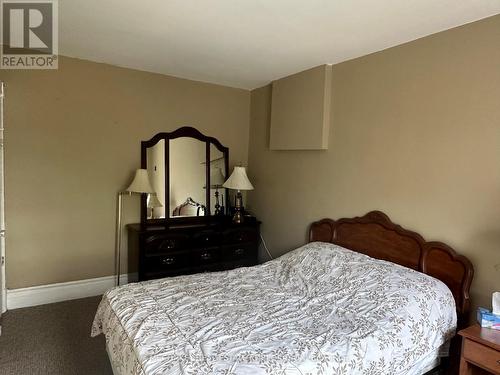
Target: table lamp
(238, 181)
(139, 185)
(216, 181)
(152, 203)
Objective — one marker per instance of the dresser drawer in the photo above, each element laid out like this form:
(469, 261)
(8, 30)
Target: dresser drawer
(165, 243)
(181, 247)
(207, 238)
(165, 262)
(237, 252)
(241, 235)
(482, 355)
(205, 256)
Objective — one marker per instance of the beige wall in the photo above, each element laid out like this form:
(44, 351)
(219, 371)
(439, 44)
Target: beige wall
(415, 132)
(73, 140)
(302, 98)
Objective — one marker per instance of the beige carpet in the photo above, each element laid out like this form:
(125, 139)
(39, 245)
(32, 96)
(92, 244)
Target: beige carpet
(52, 339)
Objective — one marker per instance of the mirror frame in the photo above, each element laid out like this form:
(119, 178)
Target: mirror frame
(190, 132)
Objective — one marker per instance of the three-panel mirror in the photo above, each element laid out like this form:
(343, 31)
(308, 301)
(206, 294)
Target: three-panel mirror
(186, 169)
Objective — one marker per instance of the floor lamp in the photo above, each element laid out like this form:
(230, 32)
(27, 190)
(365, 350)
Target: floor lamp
(140, 185)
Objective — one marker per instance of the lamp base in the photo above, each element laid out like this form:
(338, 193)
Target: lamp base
(238, 217)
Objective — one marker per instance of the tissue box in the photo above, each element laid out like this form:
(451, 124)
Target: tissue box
(487, 319)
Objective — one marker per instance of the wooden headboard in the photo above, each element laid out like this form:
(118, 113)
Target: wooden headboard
(378, 237)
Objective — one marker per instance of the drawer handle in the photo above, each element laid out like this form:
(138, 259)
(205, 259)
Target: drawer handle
(239, 251)
(167, 261)
(498, 361)
(167, 244)
(206, 256)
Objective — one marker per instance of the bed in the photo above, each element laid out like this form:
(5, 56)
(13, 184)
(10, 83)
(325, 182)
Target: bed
(364, 296)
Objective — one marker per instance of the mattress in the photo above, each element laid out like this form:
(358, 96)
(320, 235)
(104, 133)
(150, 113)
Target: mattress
(318, 309)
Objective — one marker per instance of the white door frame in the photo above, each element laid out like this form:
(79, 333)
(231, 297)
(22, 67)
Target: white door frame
(3, 289)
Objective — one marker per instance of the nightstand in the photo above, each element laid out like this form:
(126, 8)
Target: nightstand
(480, 351)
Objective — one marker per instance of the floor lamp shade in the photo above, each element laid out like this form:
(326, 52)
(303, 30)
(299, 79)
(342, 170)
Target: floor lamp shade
(140, 183)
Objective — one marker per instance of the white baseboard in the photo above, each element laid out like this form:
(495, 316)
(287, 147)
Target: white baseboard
(43, 294)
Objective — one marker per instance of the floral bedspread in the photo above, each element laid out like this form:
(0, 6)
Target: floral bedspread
(320, 309)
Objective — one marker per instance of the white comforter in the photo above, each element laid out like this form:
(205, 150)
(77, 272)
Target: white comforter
(320, 309)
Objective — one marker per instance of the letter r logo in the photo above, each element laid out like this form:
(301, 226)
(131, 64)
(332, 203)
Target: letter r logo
(27, 27)
(19, 28)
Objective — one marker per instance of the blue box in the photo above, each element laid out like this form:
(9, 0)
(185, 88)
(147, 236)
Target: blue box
(487, 319)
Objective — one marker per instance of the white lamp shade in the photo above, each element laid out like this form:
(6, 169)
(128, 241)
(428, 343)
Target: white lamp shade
(238, 180)
(216, 177)
(140, 183)
(153, 201)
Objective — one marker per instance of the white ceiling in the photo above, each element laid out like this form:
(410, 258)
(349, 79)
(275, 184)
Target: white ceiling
(248, 43)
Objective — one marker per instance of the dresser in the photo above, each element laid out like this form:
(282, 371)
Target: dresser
(186, 248)
(480, 351)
